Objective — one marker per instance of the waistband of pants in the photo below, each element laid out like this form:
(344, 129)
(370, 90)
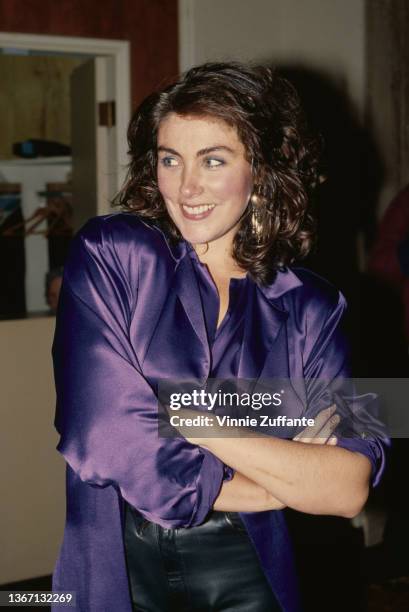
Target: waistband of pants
(214, 521)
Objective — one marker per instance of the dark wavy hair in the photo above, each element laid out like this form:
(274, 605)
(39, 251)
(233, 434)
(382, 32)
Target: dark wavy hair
(265, 110)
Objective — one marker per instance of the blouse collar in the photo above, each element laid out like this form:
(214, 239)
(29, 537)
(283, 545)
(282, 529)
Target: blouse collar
(285, 279)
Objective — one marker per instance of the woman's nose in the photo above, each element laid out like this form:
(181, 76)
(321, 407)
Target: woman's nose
(191, 184)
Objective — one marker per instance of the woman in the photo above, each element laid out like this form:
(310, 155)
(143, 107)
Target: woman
(192, 282)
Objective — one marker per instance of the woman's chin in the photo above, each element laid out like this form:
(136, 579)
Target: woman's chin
(197, 236)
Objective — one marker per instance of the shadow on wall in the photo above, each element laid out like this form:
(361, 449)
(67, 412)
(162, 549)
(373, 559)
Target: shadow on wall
(333, 564)
(345, 207)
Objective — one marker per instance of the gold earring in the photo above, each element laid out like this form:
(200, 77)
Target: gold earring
(256, 217)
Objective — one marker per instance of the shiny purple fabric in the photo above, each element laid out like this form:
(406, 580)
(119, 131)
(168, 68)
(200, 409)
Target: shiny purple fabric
(225, 341)
(130, 313)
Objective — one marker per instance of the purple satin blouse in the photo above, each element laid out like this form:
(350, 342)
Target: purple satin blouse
(225, 341)
(135, 308)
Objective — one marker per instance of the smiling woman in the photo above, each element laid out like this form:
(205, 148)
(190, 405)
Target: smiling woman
(257, 115)
(192, 282)
(208, 178)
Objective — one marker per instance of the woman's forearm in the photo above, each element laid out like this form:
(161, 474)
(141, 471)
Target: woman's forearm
(309, 478)
(244, 495)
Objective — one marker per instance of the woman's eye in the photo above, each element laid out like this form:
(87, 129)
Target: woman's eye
(168, 161)
(212, 162)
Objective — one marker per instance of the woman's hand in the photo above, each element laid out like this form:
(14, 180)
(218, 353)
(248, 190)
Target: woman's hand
(322, 432)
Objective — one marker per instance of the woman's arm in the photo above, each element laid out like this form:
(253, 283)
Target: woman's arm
(318, 479)
(244, 495)
(313, 478)
(107, 411)
(306, 477)
(309, 473)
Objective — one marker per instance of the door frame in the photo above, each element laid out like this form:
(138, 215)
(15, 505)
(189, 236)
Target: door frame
(187, 42)
(119, 50)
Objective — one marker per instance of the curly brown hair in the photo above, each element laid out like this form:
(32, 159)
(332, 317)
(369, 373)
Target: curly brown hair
(265, 110)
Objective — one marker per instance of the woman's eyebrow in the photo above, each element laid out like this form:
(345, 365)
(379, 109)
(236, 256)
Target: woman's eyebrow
(167, 150)
(212, 149)
(205, 151)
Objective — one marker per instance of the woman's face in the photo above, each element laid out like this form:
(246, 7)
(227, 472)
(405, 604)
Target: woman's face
(203, 177)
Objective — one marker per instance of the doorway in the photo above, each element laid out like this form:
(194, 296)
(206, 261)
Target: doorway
(40, 185)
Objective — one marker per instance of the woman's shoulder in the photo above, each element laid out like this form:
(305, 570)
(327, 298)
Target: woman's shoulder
(314, 282)
(315, 292)
(121, 232)
(121, 225)
(113, 247)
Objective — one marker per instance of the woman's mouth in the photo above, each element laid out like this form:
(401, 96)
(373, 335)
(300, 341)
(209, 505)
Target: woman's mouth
(195, 213)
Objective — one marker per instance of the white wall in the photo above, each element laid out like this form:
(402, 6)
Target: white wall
(327, 35)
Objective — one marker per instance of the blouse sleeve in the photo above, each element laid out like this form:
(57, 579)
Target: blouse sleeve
(328, 380)
(106, 411)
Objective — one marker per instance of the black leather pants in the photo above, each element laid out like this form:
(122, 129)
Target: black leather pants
(206, 568)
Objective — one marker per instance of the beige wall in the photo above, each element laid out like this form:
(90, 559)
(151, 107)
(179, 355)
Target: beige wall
(32, 506)
(327, 35)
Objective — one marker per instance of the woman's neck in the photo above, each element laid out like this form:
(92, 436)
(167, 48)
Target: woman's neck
(217, 255)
